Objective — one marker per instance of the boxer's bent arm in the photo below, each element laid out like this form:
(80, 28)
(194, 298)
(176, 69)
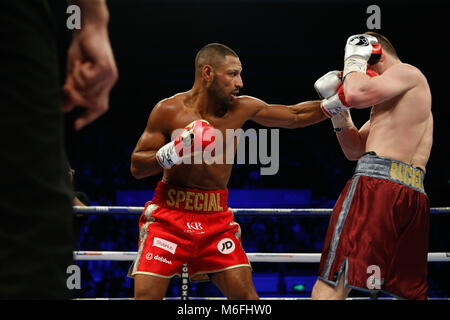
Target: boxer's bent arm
(361, 91)
(143, 158)
(291, 117)
(353, 141)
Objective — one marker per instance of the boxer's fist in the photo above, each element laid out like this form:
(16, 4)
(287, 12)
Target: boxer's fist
(327, 85)
(330, 87)
(335, 104)
(362, 45)
(344, 119)
(195, 137)
(359, 50)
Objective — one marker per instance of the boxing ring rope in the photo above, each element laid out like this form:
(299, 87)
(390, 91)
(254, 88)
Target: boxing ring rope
(236, 211)
(253, 257)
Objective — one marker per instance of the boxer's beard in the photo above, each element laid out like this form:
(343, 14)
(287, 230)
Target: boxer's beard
(220, 96)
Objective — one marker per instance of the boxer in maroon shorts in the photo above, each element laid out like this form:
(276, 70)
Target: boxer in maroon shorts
(379, 224)
(188, 220)
(377, 239)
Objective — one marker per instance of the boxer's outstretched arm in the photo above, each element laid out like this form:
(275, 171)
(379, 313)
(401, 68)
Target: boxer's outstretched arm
(296, 116)
(361, 91)
(143, 158)
(353, 141)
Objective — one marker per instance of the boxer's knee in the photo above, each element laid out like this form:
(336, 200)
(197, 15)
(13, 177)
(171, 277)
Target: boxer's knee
(149, 287)
(249, 294)
(318, 291)
(236, 284)
(325, 291)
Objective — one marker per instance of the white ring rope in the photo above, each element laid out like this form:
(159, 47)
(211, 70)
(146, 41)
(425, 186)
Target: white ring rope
(253, 257)
(236, 211)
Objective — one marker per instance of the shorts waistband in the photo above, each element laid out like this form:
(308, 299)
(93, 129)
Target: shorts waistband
(375, 166)
(192, 200)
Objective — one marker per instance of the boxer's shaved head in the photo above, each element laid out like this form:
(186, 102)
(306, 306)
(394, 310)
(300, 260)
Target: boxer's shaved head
(212, 54)
(385, 43)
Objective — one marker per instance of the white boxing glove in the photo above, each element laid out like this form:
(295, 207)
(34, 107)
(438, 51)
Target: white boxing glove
(327, 85)
(358, 51)
(335, 104)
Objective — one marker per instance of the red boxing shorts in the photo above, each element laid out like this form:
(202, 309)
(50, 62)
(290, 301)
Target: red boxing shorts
(378, 231)
(191, 226)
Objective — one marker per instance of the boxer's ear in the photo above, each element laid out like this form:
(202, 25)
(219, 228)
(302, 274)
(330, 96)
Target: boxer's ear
(208, 73)
(383, 57)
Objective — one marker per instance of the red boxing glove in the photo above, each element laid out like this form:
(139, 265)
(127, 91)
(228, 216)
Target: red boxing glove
(371, 73)
(341, 96)
(195, 137)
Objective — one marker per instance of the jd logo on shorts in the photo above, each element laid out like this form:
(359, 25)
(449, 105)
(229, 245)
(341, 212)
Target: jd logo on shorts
(226, 246)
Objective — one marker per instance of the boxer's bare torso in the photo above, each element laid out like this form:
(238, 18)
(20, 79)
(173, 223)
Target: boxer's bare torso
(402, 128)
(232, 112)
(401, 122)
(203, 176)
(176, 112)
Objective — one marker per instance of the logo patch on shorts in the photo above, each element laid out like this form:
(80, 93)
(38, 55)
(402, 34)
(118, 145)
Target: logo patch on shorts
(164, 244)
(162, 259)
(226, 246)
(194, 227)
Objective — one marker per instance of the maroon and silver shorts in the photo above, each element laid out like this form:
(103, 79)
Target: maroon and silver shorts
(378, 232)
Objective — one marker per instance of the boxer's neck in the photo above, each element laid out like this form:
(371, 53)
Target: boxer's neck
(203, 101)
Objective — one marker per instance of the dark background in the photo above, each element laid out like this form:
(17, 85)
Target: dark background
(284, 46)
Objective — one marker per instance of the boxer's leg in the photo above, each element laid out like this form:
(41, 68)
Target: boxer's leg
(147, 287)
(325, 291)
(236, 283)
